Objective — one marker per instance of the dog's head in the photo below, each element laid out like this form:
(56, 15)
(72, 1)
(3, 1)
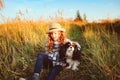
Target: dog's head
(70, 50)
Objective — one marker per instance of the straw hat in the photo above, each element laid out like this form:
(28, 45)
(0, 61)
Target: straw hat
(55, 27)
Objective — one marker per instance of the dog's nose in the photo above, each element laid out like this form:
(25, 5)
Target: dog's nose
(70, 46)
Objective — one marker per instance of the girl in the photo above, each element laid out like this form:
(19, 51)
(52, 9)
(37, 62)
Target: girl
(50, 58)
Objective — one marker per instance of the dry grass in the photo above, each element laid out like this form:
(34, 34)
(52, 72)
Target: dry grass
(20, 41)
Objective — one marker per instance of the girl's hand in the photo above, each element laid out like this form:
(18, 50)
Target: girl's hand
(78, 45)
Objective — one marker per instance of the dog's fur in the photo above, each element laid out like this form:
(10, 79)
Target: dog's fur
(70, 54)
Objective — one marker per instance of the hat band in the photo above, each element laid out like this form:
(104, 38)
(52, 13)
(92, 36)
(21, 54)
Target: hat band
(53, 28)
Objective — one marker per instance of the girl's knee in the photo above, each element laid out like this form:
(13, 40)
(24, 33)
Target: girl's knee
(40, 55)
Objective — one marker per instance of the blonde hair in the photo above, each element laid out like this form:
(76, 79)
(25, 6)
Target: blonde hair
(49, 41)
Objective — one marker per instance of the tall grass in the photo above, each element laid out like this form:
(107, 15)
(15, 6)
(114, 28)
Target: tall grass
(20, 41)
(104, 47)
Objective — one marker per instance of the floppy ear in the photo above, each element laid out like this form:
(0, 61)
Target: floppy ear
(62, 51)
(76, 53)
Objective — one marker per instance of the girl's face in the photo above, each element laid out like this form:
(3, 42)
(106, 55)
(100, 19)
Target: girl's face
(55, 35)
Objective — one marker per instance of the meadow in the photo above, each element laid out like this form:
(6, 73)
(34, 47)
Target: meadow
(22, 40)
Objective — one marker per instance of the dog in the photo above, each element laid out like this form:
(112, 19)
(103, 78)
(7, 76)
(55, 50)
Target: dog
(70, 53)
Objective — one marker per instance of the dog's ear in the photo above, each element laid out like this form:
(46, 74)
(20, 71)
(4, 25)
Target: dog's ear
(76, 53)
(62, 52)
(63, 49)
(75, 48)
(76, 56)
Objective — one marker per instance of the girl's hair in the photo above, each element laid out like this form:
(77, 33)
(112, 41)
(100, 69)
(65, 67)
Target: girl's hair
(49, 42)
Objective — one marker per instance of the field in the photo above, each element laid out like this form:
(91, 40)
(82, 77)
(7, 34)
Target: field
(21, 40)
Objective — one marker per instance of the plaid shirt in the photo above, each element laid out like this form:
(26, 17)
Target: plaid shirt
(54, 55)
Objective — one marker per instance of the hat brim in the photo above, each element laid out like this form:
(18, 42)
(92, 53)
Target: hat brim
(60, 29)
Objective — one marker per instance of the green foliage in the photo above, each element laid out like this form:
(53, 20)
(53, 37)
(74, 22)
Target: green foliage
(78, 17)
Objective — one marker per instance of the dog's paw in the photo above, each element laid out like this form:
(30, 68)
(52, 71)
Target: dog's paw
(68, 67)
(75, 69)
(22, 79)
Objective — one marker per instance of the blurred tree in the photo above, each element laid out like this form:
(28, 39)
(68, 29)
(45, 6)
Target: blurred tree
(84, 18)
(78, 17)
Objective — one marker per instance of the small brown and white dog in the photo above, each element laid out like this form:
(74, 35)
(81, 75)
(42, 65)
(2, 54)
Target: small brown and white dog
(70, 53)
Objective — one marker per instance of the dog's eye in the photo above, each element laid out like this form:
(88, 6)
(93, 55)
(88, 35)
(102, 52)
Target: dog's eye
(69, 44)
(73, 45)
